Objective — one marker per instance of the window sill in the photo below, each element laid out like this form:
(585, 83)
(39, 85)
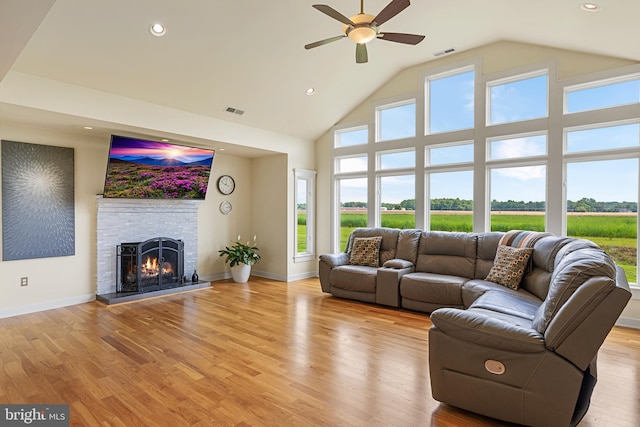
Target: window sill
(304, 258)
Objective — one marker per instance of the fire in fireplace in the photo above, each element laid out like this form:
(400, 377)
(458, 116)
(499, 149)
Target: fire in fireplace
(154, 264)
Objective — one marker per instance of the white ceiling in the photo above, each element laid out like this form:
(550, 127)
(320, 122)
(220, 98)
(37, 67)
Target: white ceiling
(249, 54)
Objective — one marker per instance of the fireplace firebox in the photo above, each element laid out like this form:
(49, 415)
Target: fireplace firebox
(151, 265)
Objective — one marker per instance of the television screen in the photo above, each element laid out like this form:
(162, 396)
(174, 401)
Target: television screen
(156, 170)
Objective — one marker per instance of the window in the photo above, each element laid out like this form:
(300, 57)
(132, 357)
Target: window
(517, 147)
(351, 136)
(518, 98)
(356, 163)
(603, 138)
(451, 201)
(396, 159)
(518, 196)
(450, 154)
(305, 188)
(397, 201)
(396, 121)
(602, 206)
(450, 101)
(352, 196)
(593, 96)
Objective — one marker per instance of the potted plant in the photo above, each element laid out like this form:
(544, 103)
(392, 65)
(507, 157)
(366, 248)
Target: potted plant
(240, 257)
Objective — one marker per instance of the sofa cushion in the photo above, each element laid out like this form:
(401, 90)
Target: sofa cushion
(354, 278)
(486, 252)
(433, 288)
(518, 303)
(542, 259)
(474, 289)
(407, 248)
(447, 253)
(509, 266)
(366, 251)
(487, 330)
(387, 246)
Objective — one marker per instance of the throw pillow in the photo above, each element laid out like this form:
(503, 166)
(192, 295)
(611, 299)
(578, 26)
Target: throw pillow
(509, 266)
(366, 251)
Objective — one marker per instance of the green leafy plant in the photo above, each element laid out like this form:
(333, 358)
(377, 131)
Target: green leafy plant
(240, 253)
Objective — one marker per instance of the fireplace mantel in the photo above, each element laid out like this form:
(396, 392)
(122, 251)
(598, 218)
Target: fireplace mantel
(128, 220)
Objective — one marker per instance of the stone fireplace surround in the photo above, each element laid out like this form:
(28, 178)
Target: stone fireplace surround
(136, 220)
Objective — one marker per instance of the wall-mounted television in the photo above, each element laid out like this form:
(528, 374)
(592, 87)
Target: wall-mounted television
(142, 169)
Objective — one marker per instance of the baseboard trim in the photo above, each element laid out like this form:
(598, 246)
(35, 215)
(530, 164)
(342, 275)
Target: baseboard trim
(629, 322)
(301, 276)
(256, 273)
(46, 305)
(266, 275)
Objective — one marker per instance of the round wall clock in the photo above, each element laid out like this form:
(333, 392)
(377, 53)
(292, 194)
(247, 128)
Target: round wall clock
(226, 184)
(225, 207)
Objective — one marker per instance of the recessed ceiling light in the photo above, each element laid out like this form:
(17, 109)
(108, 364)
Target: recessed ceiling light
(310, 91)
(164, 140)
(590, 7)
(88, 128)
(157, 29)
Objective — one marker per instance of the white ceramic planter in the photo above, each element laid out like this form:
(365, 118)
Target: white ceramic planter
(240, 273)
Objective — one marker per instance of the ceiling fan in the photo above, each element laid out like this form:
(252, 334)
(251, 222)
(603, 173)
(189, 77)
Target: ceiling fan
(362, 28)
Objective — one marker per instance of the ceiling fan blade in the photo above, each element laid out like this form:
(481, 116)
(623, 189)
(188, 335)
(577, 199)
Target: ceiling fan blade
(322, 42)
(327, 10)
(361, 53)
(401, 38)
(391, 10)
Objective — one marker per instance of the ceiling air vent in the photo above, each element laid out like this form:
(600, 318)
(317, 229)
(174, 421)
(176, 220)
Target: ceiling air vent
(234, 111)
(444, 52)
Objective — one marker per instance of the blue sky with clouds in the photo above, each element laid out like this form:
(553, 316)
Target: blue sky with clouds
(451, 99)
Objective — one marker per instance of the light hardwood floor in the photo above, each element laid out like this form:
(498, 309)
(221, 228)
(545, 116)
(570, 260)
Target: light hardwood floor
(262, 353)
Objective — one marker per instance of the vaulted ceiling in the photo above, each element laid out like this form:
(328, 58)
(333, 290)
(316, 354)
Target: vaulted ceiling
(248, 54)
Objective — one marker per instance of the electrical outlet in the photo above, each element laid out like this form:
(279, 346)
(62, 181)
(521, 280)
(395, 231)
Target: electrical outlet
(24, 281)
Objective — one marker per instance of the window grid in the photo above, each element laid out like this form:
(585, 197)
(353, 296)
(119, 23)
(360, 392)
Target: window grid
(552, 156)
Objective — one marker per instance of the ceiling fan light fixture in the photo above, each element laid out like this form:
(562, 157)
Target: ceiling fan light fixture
(362, 34)
(363, 31)
(362, 28)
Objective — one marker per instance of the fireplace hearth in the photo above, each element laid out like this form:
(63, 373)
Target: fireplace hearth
(151, 265)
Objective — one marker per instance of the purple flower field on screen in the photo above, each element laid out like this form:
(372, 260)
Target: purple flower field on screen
(132, 180)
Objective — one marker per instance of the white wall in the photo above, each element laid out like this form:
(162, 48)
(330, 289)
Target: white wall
(217, 230)
(495, 57)
(269, 218)
(64, 280)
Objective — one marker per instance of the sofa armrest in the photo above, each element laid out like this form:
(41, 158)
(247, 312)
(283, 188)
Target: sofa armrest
(481, 329)
(580, 327)
(335, 260)
(326, 264)
(398, 263)
(388, 284)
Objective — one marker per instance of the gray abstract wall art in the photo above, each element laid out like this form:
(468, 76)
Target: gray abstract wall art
(38, 206)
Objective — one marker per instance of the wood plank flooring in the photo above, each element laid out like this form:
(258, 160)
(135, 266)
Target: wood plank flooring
(264, 353)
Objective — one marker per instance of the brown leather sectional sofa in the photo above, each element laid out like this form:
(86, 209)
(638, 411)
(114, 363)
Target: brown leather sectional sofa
(526, 356)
